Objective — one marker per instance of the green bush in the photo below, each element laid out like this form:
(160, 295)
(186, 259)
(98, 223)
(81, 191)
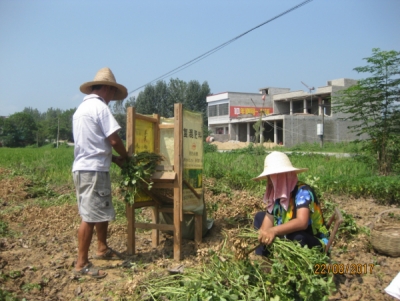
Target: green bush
(209, 148)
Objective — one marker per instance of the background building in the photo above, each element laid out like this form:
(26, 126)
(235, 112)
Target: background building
(289, 118)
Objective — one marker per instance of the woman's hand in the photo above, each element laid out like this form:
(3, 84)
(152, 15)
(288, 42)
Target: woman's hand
(266, 236)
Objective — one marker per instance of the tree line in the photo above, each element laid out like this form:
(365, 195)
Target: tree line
(31, 127)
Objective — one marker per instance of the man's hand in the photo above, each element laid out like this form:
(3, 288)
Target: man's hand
(119, 160)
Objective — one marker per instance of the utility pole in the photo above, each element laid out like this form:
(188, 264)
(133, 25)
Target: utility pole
(58, 130)
(322, 136)
(320, 130)
(261, 123)
(309, 89)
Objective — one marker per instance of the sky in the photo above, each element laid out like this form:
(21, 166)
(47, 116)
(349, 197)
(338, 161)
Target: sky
(49, 48)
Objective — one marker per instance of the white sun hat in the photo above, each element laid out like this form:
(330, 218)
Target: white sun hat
(105, 77)
(394, 287)
(277, 162)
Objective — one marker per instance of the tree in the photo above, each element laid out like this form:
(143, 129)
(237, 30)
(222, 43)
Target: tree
(160, 98)
(373, 105)
(146, 102)
(19, 129)
(195, 97)
(164, 105)
(119, 109)
(51, 123)
(65, 127)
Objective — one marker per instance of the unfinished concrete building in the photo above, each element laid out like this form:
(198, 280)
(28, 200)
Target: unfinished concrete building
(288, 118)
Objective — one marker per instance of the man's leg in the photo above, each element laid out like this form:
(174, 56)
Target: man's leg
(85, 234)
(101, 229)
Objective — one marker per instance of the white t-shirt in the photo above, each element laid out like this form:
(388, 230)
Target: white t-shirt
(92, 124)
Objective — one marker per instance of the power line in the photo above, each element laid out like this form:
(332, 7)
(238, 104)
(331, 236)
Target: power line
(208, 53)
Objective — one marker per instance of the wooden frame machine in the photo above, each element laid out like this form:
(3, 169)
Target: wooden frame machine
(167, 177)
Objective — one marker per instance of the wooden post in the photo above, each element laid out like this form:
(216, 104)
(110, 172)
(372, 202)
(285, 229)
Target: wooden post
(178, 166)
(155, 234)
(198, 229)
(130, 210)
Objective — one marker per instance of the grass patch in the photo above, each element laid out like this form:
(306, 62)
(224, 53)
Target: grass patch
(234, 170)
(4, 230)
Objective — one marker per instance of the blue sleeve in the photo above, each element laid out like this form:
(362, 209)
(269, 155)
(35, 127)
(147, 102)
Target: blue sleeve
(303, 198)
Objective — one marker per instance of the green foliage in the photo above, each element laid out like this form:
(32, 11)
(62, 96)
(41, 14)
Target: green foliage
(373, 104)
(136, 174)
(382, 189)
(251, 149)
(7, 296)
(352, 147)
(348, 228)
(52, 123)
(18, 130)
(161, 97)
(209, 148)
(46, 164)
(220, 187)
(354, 176)
(259, 128)
(15, 274)
(215, 168)
(287, 275)
(119, 109)
(40, 188)
(27, 287)
(338, 175)
(3, 228)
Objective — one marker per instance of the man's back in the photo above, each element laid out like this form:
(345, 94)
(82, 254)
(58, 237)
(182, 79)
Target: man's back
(92, 124)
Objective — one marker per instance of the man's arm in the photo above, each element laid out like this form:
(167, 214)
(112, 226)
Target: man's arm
(119, 147)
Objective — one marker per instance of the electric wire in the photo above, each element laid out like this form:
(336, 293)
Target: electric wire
(208, 53)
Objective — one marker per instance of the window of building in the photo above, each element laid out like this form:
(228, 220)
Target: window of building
(219, 130)
(223, 109)
(212, 111)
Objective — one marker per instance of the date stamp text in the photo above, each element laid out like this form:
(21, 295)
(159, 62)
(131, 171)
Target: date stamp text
(341, 268)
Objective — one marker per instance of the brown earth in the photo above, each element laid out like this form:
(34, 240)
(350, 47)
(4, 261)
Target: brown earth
(36, 259)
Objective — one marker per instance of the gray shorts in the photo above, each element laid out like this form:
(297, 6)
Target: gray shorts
(93, 193)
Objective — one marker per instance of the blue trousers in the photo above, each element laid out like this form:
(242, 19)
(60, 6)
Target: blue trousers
(303, 237)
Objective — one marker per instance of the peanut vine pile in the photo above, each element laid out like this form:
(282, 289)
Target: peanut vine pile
(229, 274)
(136, 175)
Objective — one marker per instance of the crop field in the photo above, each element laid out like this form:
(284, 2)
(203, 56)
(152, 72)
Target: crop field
(39, 222)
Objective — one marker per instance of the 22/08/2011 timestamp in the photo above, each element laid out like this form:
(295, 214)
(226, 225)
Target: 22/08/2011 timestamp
(340, 268)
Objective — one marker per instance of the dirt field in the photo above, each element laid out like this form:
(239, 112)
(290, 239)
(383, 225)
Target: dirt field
(36, 263)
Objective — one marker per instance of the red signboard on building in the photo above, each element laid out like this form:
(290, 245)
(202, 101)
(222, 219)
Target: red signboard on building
(236, 111)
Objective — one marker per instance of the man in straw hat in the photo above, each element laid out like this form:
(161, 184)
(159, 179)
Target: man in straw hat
(96, 135)
(292, 208)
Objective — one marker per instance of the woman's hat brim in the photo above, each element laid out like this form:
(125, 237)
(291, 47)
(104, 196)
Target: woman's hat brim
(266, 173)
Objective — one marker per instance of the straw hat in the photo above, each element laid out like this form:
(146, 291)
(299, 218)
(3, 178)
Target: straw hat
(105, 77)
(277, 162)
